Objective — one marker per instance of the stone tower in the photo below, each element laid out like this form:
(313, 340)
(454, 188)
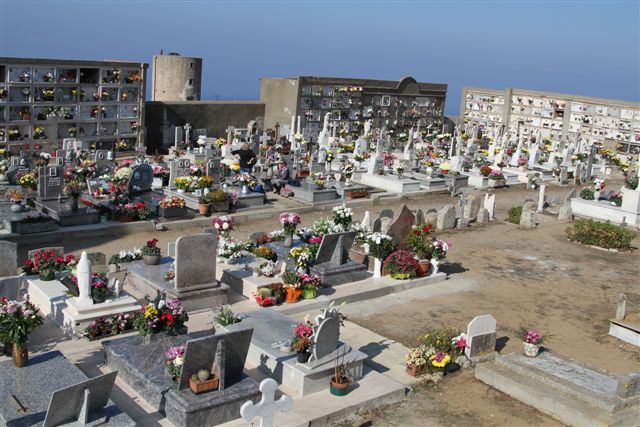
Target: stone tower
(176, 78)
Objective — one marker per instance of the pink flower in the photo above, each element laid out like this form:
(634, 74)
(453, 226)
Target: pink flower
(315, 240)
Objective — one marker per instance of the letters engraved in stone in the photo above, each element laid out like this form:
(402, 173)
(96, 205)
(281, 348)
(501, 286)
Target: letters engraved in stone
(481, 336)
(50, 182)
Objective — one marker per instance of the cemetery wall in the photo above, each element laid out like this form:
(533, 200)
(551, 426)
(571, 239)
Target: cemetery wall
(279, 96)
(176, 78)
(215, 116)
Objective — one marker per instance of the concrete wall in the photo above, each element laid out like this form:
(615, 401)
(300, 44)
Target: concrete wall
(279, 96)
(171, 77)
(215, 116)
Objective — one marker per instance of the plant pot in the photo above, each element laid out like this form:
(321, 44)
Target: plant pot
(151, 259)
(203, 209)
(422, 269)
(288, 241)
(292, 295)
(245, 189)
(20, 354)
(203, 386)
(530, 350)
(357, 255)
(303, 356)
(444, 172)
(73, 204)
(171, 212)
(415, 370)
(338, 389)
(310, 293)
(125, 218)
(377, 268)
(98, 300)
(48, 276)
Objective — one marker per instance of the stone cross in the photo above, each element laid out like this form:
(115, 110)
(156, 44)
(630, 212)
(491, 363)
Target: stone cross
(268, 406)
(84, 280)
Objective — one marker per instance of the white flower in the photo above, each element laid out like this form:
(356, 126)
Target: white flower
(225, 226)
(178, 361)
(217, 225)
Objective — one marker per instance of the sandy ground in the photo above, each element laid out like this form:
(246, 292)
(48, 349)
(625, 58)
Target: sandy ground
(521, 277)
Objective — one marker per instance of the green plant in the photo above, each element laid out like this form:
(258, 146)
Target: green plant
(419, 239)
(586, 194)
(401, 264)
(602, 234)
(151, 248)
(204, 199)
(203, 375)
(290, 278)
(514, 214)
(300, 344)
(224, 316)
(17, 320)
(264, 292)
(217, 195)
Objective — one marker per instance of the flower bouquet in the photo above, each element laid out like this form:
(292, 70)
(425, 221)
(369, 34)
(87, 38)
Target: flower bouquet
(99, 288)
(416, 360)
(302, 340)
(173, 202)
(174, 359)
(17, 320)
(223, 224)
(168, 318)
(302, 256)
(531, 341)
(289, 222)
(264, 297)
(266, 253)
(401, 265)
(342, 215)
(485, 170)
(45, 263)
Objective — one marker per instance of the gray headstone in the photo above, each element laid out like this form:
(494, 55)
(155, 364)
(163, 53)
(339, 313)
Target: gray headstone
(431, 218)
(528, 219)
(474, 202)
(565, 213)
(8, 258)
(446, 218)
(104, 161)
(171, 249)
(50, 182)
(490, 205)
(213, 168)
(483, 216)
(177, 168)
(68, 404)
(621, 308)
(401, 225)
(386, 213)
(419, 216)
(334, 248)
(58, 250)
(141, 178)
(326, 337)
(481, 336)
(190, 268)
(223, 354)
(97, 258)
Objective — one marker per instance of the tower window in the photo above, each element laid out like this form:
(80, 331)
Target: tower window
(191, 65)
(190, 82)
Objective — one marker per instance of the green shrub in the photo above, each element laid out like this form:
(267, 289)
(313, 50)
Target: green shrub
(602, 234)
(514, 214)
(587, 194)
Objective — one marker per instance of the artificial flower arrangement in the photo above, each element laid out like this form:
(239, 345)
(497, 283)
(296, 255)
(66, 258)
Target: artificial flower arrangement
(347, 169)
(266, 253)
(302, 256)
(121, 145)
(268, 269)
(329, 158)
(99, 287)
(167, 317)
(400, 264)
(264, 297)
(138, 211)
(160, 172)
(440, 249)
(400, 170)
(388, 158)
(289, 222)
(342, 215)
(46, 263)
(320, 180)
(616, 199)
(531, 341)
(435, 351)
(204, 181)
(230, 249)
(114, 325)
(445, 167)
(379, 245)
(173, 202)
(126, 256)
(185, 183)
(220, 142)
(151, 248)
(523, 161)
(223, 224)
(302, 334)
(174, 359)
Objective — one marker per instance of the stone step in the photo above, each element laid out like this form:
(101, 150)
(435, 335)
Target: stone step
(567, 376)
(553, 400)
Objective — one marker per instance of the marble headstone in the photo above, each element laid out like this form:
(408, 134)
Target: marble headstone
(481, 336)
(191, 270)
(446, 218)
(334, 248)
(50, 182)
(178, 168)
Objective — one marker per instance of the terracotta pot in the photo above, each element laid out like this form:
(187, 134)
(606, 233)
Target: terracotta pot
(292, 295)
(203, 209)
(151, 259)
(20, 355)
(444, 172)
(423, 267)
(203, 386)
(338, 389)
(415, 370)
(357, 255)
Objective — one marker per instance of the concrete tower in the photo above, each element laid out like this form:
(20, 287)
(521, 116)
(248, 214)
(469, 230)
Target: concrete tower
(176, 78)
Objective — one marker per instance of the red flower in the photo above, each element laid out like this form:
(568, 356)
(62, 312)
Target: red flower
(167, 318)
(140, 205)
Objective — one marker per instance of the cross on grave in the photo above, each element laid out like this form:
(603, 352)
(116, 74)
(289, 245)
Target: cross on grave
(268, 406)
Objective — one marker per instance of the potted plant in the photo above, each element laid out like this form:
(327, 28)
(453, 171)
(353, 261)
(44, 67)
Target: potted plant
(302, 341)
(531, 341)
(340, 381)
(219, 200)
(416, 360)
(203, 204)
(99, 288)
(401, 265)
(44, 264)
(173, 206)
(17, 320)
(419, 238)
(309, 284)
(445, 168)
(292, 289)
(380, 245)
(151, 252)
(73, 189)
(174, 359)
(264, 297)
(342, 215)
(224, 316)
(223, 224)
(485, 170)
(168, 318)
(277, 290)
(203, 381)
(440, 249)
(303, 257)
(289, 223)
(496, 178)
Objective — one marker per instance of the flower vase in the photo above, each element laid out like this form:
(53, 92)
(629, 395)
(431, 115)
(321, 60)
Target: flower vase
(288, 240)
(201, 150)
(377, 268)
(151, 259)
(20, 354)
(415, 370)
(245, 189)
(347, 181)
(74, 204)
(530, 350)
(422, 269)
(303, 356)
(596, 195)
(434, 264)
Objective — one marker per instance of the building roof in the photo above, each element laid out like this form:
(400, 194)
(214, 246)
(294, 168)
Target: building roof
(46, 61)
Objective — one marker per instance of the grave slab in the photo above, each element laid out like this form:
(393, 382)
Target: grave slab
(33, 386)
(391, 184)
(64, 216)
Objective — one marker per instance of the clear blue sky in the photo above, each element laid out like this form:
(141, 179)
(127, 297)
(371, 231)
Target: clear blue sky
(580, 47)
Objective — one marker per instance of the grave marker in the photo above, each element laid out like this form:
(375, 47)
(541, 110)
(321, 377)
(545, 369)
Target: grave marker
(50, 182)
(400, 226)
(189, 269)
(334, 248)
(178, 168)
(481, 336)
(268, 406)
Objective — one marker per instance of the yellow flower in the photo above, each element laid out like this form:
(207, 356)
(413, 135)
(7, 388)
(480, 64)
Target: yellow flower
(235, 167)
(150, 312)
(441, 364)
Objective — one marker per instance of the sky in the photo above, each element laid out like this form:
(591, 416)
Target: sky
(589, 48)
